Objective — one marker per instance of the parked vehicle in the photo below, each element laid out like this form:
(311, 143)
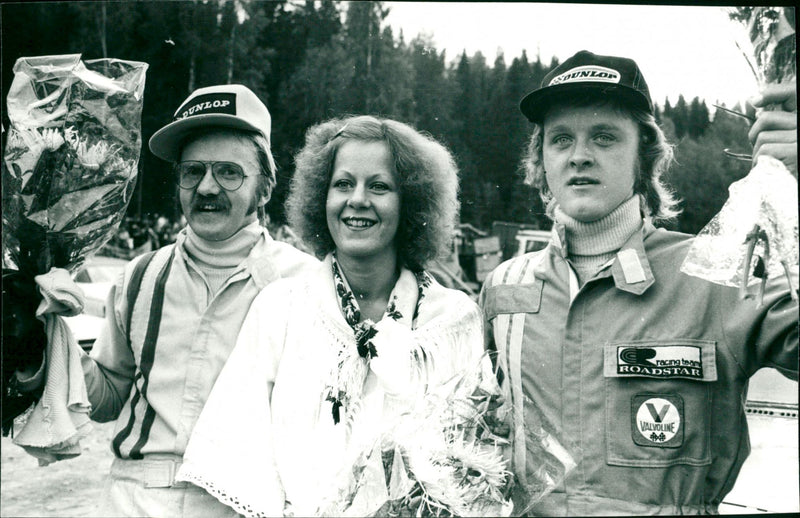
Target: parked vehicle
(475, 253)
(531, 241)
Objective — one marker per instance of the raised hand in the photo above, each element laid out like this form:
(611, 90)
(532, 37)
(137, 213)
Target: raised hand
(774, 132)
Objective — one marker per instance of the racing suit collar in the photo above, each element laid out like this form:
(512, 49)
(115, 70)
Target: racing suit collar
(629, 268)
(259, 261)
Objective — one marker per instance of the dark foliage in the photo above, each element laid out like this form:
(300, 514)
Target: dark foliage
(311, 60)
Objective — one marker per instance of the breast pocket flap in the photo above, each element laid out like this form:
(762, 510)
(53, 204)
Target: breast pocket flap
(514, 298)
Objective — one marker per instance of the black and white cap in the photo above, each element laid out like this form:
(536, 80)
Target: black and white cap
(226, 106)
(612, 75)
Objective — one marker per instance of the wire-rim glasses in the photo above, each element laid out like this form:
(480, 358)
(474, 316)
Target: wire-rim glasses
(228, 175)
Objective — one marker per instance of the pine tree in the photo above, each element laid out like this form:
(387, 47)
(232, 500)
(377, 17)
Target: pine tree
(680, 117)
(432, 95)
(702, 172)
(698, 119)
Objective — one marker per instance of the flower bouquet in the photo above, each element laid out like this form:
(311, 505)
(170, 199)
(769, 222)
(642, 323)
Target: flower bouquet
(68, 172)
(71, 156)
(436, 459)
(755, 234)
(448, 455)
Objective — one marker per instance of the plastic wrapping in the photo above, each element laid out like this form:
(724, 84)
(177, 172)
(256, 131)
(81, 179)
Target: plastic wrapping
(71, 158)
(439, 459)
(766, 197)
(543, 464)
(68, 172)
(451, 455)
(755, 235)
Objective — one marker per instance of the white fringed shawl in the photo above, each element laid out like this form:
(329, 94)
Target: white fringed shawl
(256, 449)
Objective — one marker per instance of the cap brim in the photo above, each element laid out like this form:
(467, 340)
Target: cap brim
(534, 105)
(165, 143)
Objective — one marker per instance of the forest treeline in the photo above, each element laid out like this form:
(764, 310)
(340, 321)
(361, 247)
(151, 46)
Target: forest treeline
(313, 60)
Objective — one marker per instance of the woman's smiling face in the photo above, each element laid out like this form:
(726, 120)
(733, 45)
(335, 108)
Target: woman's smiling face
(363, 204)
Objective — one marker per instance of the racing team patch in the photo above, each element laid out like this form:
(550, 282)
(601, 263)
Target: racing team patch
(657, 420)
(666, 361)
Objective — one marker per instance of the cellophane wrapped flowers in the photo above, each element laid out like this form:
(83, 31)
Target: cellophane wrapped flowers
(68, 172)
(71, 158)
(755, 235)
(444, 460)
(447, 456)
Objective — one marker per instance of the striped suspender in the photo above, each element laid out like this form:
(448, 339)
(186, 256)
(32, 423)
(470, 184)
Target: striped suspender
(148, 350)
(134, 285)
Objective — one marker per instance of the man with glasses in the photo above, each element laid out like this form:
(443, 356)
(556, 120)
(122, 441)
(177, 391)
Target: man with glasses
(173, 318)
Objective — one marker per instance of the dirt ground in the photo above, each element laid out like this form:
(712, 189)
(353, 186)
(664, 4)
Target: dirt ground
(68, 488)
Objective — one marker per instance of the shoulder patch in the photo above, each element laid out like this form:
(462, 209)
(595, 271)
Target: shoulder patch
(513, 298)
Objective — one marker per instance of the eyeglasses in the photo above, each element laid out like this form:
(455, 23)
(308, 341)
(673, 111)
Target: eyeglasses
(228, 175)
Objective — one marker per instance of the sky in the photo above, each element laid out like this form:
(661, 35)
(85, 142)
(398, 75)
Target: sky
(689, 50)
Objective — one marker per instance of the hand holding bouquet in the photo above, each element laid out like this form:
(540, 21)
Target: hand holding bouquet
(755, 234)
(69, 168)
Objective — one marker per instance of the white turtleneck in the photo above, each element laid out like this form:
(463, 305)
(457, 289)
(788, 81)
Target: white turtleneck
(591, 245)
(218, 260)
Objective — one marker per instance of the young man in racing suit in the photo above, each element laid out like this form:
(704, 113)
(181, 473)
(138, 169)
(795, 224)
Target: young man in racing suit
(639, 370)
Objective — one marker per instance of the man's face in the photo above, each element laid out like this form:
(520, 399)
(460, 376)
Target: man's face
(214, 213)
(590, 158)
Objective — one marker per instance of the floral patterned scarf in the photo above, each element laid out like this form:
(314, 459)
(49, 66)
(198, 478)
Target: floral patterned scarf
(350, 372)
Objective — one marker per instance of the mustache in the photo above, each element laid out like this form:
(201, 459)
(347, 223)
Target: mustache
(219, 201)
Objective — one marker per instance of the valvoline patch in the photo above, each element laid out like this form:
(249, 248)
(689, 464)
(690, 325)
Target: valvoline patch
(658, 420)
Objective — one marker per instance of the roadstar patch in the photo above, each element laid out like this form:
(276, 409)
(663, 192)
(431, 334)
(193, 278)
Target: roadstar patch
(657, 420)
(664, 361)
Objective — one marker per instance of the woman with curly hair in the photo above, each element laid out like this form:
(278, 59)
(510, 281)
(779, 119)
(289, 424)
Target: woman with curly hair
(327, 366)
(426, 177)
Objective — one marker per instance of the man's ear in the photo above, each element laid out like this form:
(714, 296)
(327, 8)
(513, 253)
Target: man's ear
(265, 195)
(264, 191)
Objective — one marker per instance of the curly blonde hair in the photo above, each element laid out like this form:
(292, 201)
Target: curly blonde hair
(428, 183)
(655, 156)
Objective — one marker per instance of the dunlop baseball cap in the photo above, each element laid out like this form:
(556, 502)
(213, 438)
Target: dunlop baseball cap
(610, 75)
(225, 106)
